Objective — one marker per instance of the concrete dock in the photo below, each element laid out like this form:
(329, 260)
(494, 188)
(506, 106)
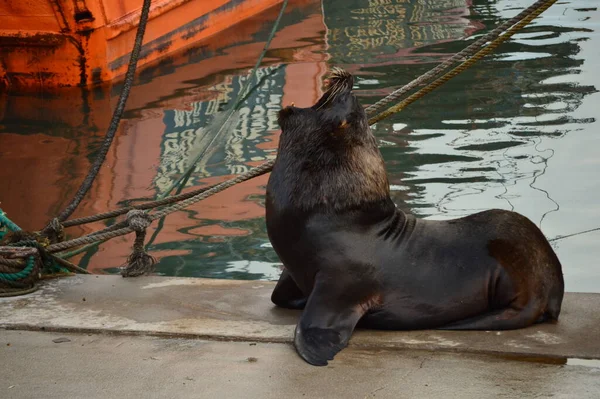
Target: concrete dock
(109, 337)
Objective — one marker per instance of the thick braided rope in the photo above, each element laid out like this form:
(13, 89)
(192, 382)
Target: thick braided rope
(146, 205)
(4, 292)
(18, 278)
(121, 211)
(116, 117)
(90, 238)
(10, 263)
(116, 226)
(15, 257)
(465, 65)
(5, 221)
(22, 273)
(467, 52)
(28, 248)
(259, 170)
(68, 265)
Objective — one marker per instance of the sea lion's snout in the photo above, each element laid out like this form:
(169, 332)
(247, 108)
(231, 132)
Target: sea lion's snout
(339, 81)
(339, 86)
(339, 107)
(338, 111)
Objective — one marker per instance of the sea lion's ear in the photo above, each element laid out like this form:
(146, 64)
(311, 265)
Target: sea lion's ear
(284, 115)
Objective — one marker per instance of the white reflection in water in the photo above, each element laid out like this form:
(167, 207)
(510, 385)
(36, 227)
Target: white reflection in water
(267, 270)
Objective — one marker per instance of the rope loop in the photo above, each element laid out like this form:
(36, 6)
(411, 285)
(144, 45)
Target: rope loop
(19, 270)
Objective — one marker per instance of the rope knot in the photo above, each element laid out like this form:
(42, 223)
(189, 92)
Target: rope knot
(55, 231)
(139, 262)
(138, 220)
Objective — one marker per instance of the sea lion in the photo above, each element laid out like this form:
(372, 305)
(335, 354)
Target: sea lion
(351, 255)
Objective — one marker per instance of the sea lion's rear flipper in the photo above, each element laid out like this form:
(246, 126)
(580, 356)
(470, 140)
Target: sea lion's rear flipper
(509, 318)
(286, 293)
(326, 324)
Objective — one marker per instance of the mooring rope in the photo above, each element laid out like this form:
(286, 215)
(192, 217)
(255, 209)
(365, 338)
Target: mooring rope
(144, 206)
(116, 118)
(6, 222)
(19, 270)
(259, 170)
(574, 234)
(17, 292)
(24, 280)
(465, 65)
(465, 53)
(10, 263)
(9, 273)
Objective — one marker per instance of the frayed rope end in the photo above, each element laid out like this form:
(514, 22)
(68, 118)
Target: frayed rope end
(55, 231)
(138, 264)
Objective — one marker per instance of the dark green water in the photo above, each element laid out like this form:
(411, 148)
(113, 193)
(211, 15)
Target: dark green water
(518, 131)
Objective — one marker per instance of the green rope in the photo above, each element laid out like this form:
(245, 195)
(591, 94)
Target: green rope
(6, 223)
(21, 274)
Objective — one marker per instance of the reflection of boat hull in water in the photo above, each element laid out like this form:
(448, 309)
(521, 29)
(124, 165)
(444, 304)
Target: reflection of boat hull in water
(52, 43)
(186, 88)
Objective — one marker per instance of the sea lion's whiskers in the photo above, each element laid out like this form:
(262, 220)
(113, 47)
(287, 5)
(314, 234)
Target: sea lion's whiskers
(339, 81)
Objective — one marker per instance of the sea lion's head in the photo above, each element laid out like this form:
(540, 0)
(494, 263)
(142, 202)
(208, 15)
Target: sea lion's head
(337, 118)
(327, 153)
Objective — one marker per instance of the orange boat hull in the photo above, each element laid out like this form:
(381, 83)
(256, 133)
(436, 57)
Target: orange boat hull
(56, 43)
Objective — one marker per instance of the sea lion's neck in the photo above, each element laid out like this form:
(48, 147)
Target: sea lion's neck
(398, 226)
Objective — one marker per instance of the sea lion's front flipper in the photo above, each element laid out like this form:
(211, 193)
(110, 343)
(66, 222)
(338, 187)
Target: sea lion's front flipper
(286, 293)
(327, 323)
